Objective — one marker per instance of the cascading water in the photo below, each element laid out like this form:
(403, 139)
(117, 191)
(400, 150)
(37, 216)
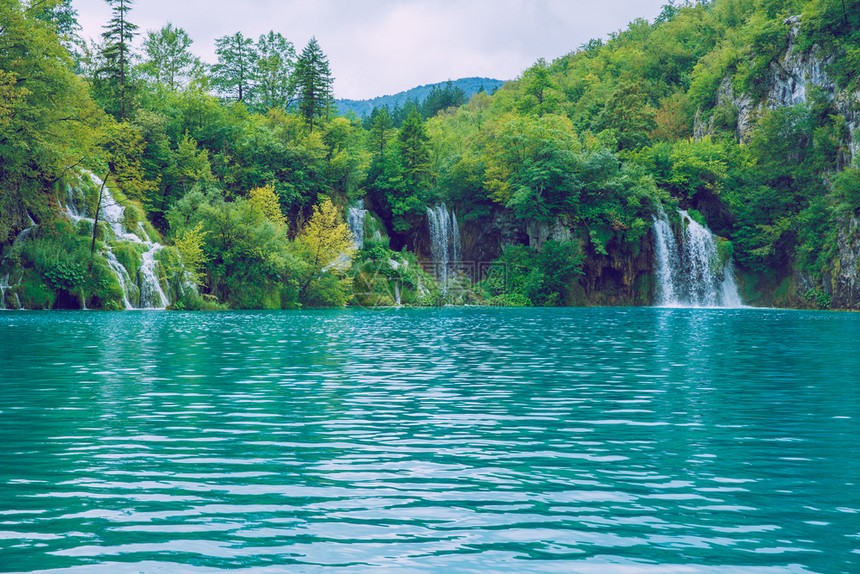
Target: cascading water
(7, 288)
(691, 274)
(445, 243)
(355, 217)
(152, 296)
(145, 289)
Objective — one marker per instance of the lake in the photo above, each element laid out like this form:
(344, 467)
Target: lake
(438, 440)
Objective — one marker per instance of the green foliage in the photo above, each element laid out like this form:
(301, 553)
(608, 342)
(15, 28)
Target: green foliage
(414, 155)
(442, 98)
(48, 121)
(168, 57)
(846, 189)
(627, 116)
(191, 254)
(273, 83)
(377, 270)
(232, 76)
(129, 255)
(248, 259)
(541, 96)
(58, 261)
(314, 83)
(816, 238)
(534, 278)
(117, 55)
(35, 293)
(818, 298)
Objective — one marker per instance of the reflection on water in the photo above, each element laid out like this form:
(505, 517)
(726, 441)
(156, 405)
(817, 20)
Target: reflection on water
(454, 440)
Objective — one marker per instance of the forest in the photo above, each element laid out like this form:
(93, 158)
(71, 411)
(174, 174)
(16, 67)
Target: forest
(245, 171)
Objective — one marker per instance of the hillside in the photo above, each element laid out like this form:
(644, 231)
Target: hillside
(577, 178)
(470, 86)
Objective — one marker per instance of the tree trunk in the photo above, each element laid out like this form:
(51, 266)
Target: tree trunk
(96, 218)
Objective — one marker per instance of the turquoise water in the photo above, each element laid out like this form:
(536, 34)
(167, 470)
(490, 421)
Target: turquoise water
(453, 440)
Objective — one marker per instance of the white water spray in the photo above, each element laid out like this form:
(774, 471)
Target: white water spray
(145, 290)
(691, 274)
(355, 216)
(444, 243)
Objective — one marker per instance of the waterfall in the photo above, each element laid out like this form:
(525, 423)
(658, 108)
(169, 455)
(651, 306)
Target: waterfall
(145, 290)
(444, 243)
(4, 287)
(690, 274)
(355, 217)
(152, 296)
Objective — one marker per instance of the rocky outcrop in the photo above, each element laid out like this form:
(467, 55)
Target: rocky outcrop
(540, 232)
(624, 275)
(483, 240)
(792, 79)
(844, 280)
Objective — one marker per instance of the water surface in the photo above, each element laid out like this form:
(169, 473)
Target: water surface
(453, 440)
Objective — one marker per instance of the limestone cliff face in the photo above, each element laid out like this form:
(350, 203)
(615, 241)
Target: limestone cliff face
(623, 276)
(844, 279)
(791, 81)
(483, 240)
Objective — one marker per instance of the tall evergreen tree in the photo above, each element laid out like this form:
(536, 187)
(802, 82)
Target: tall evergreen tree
(118, 35)
(439, 98)
(314, 83)
(414, 150)
(233, 75)
(380, 128)
(273, 72)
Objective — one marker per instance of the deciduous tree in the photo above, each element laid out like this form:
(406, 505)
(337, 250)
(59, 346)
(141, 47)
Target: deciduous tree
(274, 86)
(169, 60)
(326, 244)
(233, 75)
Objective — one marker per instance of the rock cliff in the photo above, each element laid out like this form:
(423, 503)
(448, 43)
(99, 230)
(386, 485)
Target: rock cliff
(796, 78)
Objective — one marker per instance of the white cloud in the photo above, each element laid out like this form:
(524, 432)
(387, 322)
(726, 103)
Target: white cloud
(385, 46)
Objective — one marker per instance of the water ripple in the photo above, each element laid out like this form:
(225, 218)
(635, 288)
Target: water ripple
(456, 440)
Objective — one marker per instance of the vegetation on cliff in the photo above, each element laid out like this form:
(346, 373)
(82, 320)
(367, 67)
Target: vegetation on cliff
(678, 111)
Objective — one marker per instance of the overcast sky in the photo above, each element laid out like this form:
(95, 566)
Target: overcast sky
(381, 47)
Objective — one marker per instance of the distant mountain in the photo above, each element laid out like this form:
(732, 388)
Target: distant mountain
(363, 107)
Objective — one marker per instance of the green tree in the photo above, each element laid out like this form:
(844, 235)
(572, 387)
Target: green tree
(265, 199)
(169, 60)
(62, 15)
(441, 98)
(380, 128)
(540, 94)
(48, 122)
(627, 116)
(414, 152)
(314, 83)
(248, 261)
(326, 247)
(233, 75)
(273, 72)
(190, 247)
(117, 52)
